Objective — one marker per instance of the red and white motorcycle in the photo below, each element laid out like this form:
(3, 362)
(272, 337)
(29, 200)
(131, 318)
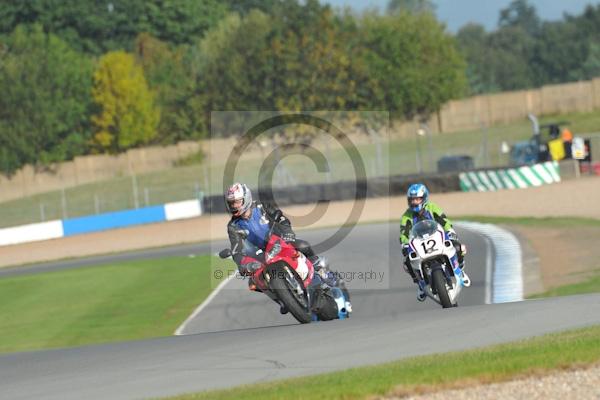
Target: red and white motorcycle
(284, 273)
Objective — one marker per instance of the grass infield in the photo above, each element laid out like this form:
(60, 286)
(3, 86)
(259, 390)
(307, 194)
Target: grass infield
(117, 302)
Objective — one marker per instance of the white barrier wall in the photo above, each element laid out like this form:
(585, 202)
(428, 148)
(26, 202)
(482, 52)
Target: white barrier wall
(182, 210)
(31, 233)
(95, 223)
(507, 275)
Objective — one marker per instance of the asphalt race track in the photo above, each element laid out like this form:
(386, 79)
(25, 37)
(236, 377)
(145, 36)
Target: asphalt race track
(370, 252)
(240, 337)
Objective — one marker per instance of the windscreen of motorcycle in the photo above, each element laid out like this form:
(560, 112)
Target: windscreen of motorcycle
(424, 229)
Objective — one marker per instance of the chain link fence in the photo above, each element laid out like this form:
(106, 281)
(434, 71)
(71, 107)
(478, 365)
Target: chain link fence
(380, 155)
(102, 197)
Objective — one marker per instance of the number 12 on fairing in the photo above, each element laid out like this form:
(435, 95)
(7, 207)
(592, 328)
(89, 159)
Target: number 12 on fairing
(428, 246)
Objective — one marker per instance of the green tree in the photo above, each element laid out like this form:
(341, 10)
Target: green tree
(244, 7)
(472, 42)
(520, 13)
(416, 62)
(45, 103)
(411, 6)
(565, 50)
(503, 59)
(168, 75)
(126, 114)
(591, 66)
(508, 65)
(313, 57)
(301, 57)
(179, 21)
(98, 26)
(525, 52)
(558, 53)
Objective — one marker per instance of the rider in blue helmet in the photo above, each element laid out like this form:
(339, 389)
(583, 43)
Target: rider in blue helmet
(420, 208)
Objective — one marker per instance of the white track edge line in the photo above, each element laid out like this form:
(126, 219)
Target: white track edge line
(205, 303)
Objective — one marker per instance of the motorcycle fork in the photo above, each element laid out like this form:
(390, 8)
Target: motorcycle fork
(421, 276)
(447, 274)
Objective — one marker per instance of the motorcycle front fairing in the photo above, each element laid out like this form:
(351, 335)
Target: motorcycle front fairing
(279, 250)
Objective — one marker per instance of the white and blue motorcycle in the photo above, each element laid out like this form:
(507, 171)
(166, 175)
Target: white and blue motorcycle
(433, 258)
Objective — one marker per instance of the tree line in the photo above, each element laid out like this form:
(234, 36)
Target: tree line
(525, 52)
(87, 76)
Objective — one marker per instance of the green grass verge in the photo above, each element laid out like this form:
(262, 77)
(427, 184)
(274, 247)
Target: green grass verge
(116, 302)
(555, 222)
(491, 364)
(591, 285)
(185, 181)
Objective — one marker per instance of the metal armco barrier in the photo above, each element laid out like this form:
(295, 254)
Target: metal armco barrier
(340, 191)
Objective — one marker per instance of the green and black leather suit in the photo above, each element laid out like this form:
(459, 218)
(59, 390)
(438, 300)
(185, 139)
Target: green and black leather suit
(430, 211)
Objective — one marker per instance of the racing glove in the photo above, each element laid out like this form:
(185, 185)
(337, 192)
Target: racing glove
(405, 249)
(289, 237)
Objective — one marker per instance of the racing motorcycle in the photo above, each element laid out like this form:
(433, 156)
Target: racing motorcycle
(285, 274)
(433, 258)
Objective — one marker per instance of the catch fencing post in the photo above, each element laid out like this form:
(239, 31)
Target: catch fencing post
(64, 204)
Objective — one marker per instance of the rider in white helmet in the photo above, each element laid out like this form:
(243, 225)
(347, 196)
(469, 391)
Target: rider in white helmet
(256, 218)
(420, 208)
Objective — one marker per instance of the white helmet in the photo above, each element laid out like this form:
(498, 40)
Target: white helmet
(236, 192)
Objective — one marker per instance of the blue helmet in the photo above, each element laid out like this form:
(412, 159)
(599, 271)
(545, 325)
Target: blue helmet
(417, 196)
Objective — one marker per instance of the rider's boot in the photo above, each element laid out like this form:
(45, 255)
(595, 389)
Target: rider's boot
(321, 266)
(465, 278)
(319, 263)
(421, 290)
(252, 285)
(282, 308)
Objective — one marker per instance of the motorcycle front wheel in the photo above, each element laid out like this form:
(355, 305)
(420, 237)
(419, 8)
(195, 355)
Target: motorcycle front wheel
(438, 281)
(288, 296)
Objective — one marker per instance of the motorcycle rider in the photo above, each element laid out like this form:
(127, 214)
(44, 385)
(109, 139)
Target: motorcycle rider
(256, 218)
(420, 208)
